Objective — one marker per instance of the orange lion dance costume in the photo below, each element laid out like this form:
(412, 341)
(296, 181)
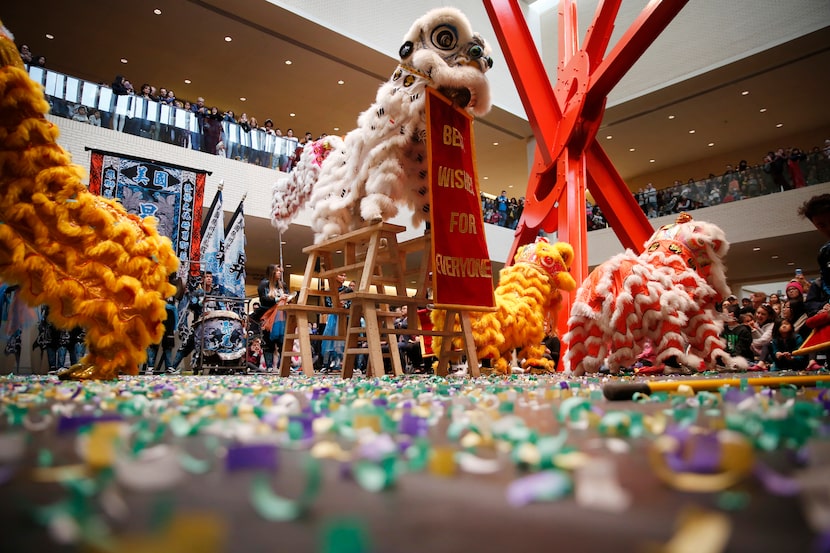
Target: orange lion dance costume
(84, 256)
(528, 294)
(667, 296)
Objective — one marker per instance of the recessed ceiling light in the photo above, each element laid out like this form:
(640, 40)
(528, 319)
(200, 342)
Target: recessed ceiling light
(50, 36)
(609, 137)
(671, 116)
(288, 62)
(187, 81)
(791, 263)
(242, 99)
(157, 11)
(124, 60)
(744, 92)
(486, 178)
(691, 131)
(779, 125)
(228, 39)
(288, 265)
(509, 186)
(632, 149)
(711, 144)
(341, 81)
(762, 110)
(337, 128)
(283, 242)
(292, 115)
(495, 143)
(651, 161)
(774, 257)
(756, 249)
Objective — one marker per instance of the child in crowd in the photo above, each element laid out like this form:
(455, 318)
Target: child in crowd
(786, 340)
(737, 335)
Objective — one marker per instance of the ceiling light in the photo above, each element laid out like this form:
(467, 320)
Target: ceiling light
(495, 143)
(341, 81)
(242, 99)
(292, 115)
(228, 39)
(756, 249)
(631, 149)
(509, 186)
(50, 36)
(486, 178)
(157, 11)
(744, 93)
(337, 128)
(775, 257)
(288, 62)
(187, 81)
(651, 161)
(123, 60)
(671, 116)
(779, 125)
(609, 137)
(762, 110)
(691, 131)
(283, 242)
(791, 263)
(711, 144)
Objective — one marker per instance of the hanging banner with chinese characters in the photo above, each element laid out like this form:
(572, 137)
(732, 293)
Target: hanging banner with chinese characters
(462, 272)
(171, 194)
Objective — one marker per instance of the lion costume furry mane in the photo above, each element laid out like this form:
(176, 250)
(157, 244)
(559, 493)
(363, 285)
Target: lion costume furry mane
(666, 296)
(528, 294)
(92, 263)
(382, 164)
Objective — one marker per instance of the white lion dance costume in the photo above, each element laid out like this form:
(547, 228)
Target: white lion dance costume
(382, 164)
(666, 296)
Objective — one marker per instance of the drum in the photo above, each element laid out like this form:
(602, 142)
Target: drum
(220, 333)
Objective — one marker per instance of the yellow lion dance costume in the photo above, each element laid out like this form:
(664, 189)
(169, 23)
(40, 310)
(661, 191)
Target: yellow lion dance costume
(528, 294)
(84, 256)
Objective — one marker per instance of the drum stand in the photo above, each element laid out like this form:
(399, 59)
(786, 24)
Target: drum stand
(216, 363)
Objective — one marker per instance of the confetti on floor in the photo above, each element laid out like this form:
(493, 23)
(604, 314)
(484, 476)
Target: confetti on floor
(240, 462)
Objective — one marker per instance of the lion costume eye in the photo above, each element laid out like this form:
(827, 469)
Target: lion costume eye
(444, 37)
(475, 52)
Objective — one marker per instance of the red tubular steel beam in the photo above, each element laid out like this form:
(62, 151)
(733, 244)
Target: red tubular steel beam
(646, 28)
(616, 201)
(599, 33)
(528, 72)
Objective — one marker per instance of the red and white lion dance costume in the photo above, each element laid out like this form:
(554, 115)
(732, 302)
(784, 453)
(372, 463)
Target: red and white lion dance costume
(382, 164)
(667, 296)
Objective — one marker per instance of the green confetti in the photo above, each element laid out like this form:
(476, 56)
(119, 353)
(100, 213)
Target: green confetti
(274, 508)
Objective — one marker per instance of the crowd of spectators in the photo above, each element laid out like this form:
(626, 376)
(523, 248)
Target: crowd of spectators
(780, 170)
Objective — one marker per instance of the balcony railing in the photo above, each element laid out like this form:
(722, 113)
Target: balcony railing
(157, 120)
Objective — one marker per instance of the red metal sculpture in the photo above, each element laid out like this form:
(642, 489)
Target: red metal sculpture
(565, 119)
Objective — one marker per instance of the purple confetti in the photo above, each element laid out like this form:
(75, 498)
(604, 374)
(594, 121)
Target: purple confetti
(247, 457)
(546, 485)
(776, 483)
(73, 424)
(563, 385)
(701, 455)
(413, 425)
(736, 395)
(6, 473)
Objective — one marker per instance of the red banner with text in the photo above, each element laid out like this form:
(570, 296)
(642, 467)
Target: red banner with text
(462, 272)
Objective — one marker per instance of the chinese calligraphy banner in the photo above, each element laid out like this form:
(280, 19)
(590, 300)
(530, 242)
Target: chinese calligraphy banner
(462, 272)
(171, 194)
